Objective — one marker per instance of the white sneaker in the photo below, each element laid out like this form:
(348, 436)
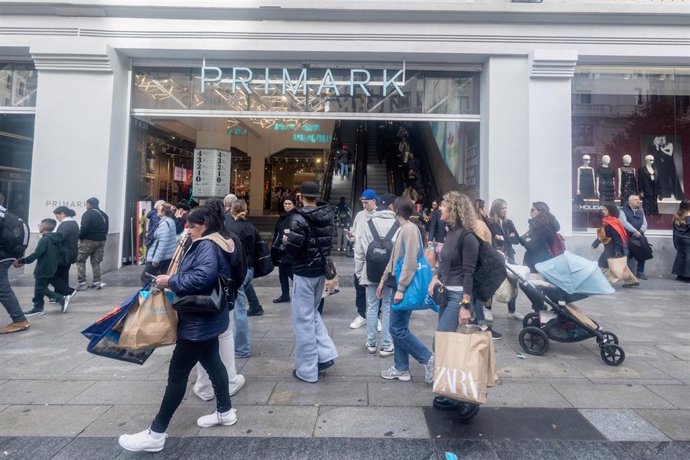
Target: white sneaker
(488, 315)
(237, 386)
(429, 370)
(384, 352)
(358, 322)
(143, 441)
(379, 326)
(371, 347)
(65, 303)
(203, 395)
(392, 373)
(518, 316)
(216, 418)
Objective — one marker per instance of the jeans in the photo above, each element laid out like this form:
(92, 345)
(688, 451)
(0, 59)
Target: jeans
(285, 274)
(373, 315)
(344, 170)
(360, 298)
(640, 264)
(449, 315)
(405, 342)
(226, 349)
(313, 345)
(242, 348)
(94, 250)
(149, 268)
(61, 280)
(42, 290)
(7, 297)
(185, 356)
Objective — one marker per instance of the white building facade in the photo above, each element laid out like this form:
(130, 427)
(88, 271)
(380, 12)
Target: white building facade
(553, 81)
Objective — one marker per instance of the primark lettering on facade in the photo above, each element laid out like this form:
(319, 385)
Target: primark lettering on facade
(262, 82)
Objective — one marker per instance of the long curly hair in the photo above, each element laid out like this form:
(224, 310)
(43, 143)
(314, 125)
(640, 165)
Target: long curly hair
(679, 217)
(461, 213)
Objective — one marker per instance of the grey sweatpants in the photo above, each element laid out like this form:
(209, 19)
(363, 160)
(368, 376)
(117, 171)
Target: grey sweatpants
(313, 345)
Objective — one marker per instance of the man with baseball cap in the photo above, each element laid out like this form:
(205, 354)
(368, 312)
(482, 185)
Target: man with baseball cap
(92, 235)
(309, 243)
(369, 200)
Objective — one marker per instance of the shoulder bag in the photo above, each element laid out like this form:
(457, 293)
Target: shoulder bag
(209, 304)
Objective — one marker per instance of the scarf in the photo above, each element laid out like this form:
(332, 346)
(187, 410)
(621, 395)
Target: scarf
(616, 225)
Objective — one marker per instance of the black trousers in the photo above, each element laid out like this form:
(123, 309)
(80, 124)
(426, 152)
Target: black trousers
(285, 274)
(61, 280)
(185, 356)
(155, 271)
(42, 290)
(360, 298)
(252, 298)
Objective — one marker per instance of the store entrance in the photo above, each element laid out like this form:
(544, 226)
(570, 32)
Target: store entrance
(16, 146)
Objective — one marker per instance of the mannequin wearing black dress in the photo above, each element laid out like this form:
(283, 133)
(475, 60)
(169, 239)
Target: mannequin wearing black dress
(585, 179)
(606, 188)
(648, 187)
(627, 180)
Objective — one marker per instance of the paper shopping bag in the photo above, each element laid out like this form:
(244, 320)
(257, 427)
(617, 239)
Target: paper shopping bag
(463, 366)
(152, 324)
(618, 269)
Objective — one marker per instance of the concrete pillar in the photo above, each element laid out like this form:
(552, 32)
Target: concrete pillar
(549, 132)
(81, 136)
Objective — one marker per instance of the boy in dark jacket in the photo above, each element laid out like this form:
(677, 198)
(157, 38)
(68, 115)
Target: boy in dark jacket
(47, 255)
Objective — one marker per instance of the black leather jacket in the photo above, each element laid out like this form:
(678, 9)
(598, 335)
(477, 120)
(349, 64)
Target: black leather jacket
(311, 228)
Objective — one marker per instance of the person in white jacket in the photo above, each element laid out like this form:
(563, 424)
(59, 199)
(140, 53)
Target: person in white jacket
(385, 225)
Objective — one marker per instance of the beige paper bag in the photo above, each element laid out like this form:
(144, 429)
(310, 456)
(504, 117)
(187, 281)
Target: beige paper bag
(618, 269)
(153, 323)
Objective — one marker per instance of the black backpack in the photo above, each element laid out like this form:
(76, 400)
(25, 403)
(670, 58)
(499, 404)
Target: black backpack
(379, 252)
(238, 269)
(14, 235)
(490, 271)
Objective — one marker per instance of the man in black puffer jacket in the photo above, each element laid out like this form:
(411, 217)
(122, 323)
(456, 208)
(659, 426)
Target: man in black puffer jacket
(309, 243)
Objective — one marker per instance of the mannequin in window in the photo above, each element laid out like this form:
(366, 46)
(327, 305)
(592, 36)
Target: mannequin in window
(606, 187)
(648, 183)
(668, 184)
(585, 179)
(627, 180)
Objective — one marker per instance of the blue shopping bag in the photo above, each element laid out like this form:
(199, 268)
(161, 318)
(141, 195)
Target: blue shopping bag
(413, 298)
(104, 335)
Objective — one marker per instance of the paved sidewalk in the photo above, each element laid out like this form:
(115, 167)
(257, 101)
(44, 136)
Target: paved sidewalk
(58, 401)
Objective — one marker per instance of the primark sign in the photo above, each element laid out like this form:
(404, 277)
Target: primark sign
(284, 81)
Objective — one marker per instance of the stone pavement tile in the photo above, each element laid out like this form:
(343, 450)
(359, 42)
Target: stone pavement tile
(657, 450)
(96, 448)
(269, 421)
(648, 352)
(371, 422)
(542, 367)
(512, 423)
(254, 393)
(675, 368)
(512, 394)
(57, 391)
(296, 393)
(49, 364)
(603, 396)
(133, 418)
(679, 351)
(557, 450)
(272, 347)
(630, 369)
(465, 449)
(98, 367)
(207, 449)
(400, 394)
(265, 367)
(60, 420)
(673, 423)
(367, 365)
(119, 392)
(3, 407)
(622, 425)
(678, 395)
(341, 449)
(29, 447)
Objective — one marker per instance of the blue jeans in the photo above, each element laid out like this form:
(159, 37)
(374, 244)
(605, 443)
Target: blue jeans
(640, 265)
(405, 342)
(449, 315)
(344, 170)
(373, 316)
(242, 349)
(7, 297)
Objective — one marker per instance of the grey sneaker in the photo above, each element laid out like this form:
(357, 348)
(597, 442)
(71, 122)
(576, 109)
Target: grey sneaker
(392, 373)
(371, 347)
(429, 370)
(35, 312)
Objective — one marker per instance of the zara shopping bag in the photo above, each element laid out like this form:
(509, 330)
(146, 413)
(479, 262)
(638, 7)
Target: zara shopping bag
(152, 324)
(465, 365)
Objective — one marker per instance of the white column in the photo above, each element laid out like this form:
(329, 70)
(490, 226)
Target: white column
(81, 137)
(549, 132)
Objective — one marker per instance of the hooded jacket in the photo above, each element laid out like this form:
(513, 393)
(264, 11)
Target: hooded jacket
(206, 258)
(311, 229)
(69, 229)
(48, 254)
(383, 221)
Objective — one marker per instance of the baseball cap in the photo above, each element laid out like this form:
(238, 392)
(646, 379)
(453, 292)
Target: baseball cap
(387, 199)
(368, 194)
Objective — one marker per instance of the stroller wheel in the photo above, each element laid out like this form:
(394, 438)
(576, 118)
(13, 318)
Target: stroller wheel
(613, 355)
(531, 319)
(534, 341)
(607, 338)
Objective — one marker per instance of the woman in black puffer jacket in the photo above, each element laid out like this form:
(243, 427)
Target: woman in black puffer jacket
(197, 335)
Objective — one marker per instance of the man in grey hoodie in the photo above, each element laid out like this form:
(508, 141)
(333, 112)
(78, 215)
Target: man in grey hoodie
(382, 227)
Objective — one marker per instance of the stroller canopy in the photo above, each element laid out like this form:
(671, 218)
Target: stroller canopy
(575, 274)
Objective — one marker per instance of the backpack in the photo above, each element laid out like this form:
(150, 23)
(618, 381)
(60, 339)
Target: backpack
(14, 234)
(490, 271)
(379, 251)
(238, 268)
(557, 247)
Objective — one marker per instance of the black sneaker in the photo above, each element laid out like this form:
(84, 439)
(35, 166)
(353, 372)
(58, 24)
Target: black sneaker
(255, 311)
(323, 366)
(35, 312)
(496, 335)
(281, 299)
(65, 303)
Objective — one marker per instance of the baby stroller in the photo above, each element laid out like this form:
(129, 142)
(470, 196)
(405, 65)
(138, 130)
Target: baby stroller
(567, 278)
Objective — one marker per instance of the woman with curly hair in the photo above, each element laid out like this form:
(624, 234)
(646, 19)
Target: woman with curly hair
(543, 229)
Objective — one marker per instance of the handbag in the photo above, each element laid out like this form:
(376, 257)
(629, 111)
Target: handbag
(208, 304)
(329, 269)
(152, 323)
(263, 263)
(440, 295)
(416, 291)
(640, 248)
